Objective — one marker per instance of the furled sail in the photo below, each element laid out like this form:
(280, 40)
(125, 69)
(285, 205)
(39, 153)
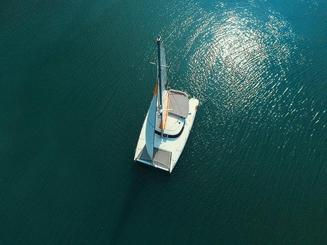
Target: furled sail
(163, 64)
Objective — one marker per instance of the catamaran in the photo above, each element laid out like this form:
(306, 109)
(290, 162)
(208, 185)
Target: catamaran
(168, 122)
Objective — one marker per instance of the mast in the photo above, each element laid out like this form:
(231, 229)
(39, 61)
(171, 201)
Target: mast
(159, 74)
(160, 80)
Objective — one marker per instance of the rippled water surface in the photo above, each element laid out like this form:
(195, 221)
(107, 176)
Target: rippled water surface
(76, 83)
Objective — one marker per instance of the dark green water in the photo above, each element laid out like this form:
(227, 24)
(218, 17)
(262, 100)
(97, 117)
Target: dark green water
(75, 84)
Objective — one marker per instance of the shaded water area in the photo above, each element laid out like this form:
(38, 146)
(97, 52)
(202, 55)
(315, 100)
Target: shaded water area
(75, 84)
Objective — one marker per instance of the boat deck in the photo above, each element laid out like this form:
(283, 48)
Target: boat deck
(166, 150)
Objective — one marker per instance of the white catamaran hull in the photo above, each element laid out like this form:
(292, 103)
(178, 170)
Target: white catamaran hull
(168, 150)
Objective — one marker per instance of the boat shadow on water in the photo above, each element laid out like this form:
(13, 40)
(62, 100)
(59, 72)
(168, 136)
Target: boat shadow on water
(142, 176)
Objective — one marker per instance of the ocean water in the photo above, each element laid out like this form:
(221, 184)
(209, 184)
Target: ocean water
(75, 84)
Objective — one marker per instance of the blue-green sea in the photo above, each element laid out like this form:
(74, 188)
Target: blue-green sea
(75, 85)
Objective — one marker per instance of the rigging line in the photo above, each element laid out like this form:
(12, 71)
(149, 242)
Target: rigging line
(170, 34)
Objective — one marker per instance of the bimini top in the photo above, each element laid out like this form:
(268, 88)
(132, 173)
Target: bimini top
(178, 103)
